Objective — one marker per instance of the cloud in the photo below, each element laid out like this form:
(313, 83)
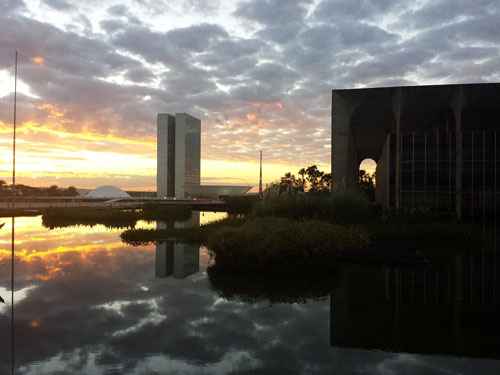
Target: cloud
(61, 5)
(357, 10)
(10, 6)
(224, 62)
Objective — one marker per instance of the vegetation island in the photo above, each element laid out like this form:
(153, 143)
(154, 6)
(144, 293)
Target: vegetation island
(297, 224)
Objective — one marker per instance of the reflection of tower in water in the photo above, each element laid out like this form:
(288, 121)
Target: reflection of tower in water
(174, 258)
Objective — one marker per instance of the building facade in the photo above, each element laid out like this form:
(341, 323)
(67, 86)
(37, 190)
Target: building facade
(436, 147)
(178, 155)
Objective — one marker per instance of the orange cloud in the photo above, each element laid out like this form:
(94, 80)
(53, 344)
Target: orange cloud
(38, 60)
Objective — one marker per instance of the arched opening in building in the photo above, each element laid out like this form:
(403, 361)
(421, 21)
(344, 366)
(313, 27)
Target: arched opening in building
(367, 177)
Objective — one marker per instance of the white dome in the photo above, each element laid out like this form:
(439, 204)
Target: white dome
(107, 192)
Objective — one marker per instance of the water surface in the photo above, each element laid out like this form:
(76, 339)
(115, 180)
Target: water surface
(86, 303)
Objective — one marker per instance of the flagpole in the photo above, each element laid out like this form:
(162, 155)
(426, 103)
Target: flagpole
(14, 135)
(13, 358)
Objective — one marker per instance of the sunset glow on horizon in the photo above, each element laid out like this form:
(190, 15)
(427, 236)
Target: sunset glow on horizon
(92, 78)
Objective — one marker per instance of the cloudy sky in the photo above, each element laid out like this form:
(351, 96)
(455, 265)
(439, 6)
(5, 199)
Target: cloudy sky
(259, 73)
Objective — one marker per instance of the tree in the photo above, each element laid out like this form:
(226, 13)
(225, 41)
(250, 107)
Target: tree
(71, 191)
(314, 178)
(310, 179)
(302, 180)
(366, 182)
(53, 190)
(326, 182)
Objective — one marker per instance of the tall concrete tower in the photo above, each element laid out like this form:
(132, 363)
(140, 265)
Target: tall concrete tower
(178, 155)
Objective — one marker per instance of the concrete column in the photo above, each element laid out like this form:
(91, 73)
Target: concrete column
(387, 176)
(342, 110)
(397, 109)
(458, 105)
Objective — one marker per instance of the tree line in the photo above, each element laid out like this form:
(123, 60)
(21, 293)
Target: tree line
(25, 190)
(313, 180)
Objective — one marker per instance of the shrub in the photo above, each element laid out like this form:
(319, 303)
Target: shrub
(283, 245)
(241, 204)
(341, 207)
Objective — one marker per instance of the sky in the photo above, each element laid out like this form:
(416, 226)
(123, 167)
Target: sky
(258, 73)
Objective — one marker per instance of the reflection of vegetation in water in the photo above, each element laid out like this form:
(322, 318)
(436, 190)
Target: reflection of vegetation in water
(199, 234)
(255, 288)
(153, 212)
(112, 217)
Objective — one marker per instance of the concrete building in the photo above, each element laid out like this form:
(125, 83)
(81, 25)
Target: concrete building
(178, 155)
(435, 146)
(220, 191)
(178, 160)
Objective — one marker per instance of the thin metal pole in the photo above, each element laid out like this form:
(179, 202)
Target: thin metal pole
(260, 176)
(14, 133)
(12, 331)
(13, 358)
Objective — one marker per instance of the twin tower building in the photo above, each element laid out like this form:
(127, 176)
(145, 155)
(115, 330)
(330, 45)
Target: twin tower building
(178, 156)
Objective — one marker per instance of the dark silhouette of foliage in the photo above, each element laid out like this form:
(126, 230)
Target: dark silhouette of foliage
(240, 204)
(254, 288)
(277, 245)
(366, 183)
(309, 179)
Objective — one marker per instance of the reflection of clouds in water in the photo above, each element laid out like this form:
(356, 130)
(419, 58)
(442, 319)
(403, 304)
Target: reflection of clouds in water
(105, 311)
(153, 317)
(19, 295)
(209, 217)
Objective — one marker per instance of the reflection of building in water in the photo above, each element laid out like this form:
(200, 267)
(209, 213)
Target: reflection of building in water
(174, 258)
(447, 309)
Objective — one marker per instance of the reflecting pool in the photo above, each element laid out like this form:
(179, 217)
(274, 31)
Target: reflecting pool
(87, 303)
